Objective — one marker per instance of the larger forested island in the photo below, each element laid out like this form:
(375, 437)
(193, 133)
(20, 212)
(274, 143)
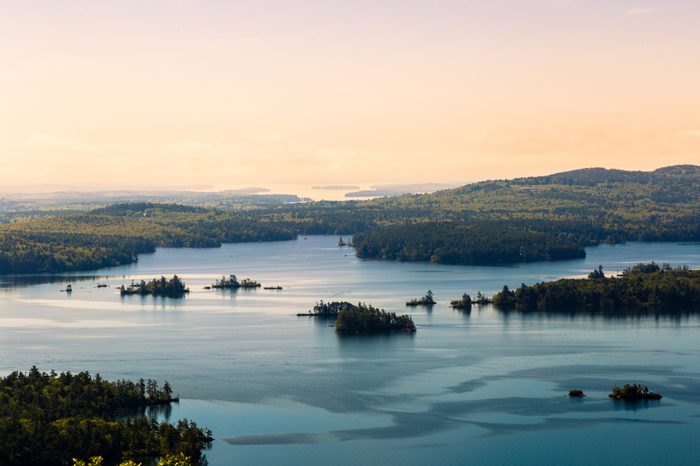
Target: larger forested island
(47, 419)
(644, 288)
(361, 319)
(550, 217)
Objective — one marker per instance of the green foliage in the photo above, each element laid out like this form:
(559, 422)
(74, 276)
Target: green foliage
(175, 460)
(458, 243)
(172, 288)
(366, 319)
(332, 309)
(533, 219)
(493, 222)
(465, 302)
(642, 288)
(232, 283)
(505, 298)
(80, 416)
(633, 392)
(117, 234)
(426, 300)
(179, 459)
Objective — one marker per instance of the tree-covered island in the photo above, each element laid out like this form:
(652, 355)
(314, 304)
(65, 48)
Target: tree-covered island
(328, 310)
(232, 283)
(464, 303)
(633, 393)
(163, 287)
(47, 419)
(639, 289)
(366, 319)
(362, 318)
(426, 300)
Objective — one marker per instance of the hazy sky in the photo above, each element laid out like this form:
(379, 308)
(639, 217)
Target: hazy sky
(267, 92)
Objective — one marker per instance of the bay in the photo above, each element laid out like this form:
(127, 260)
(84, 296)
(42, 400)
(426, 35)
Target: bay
(482, 387)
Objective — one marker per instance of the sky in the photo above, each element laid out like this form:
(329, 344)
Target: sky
(213, 94)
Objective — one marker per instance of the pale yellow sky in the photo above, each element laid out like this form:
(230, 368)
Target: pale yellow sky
(274, 92)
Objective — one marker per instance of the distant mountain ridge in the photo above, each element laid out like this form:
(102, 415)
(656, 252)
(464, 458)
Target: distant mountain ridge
(606, 175)
(662, 194)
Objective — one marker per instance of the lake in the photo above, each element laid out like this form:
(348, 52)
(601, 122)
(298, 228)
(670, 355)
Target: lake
(468, 388)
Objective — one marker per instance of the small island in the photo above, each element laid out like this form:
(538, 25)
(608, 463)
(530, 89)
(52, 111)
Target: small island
(172, 288)
(365, 319)
(361, 318)
(272, 288)
(633, 393)
(576, 393)
(464, 303)
(232, 283)
(644, 288)
(426, 300)
(481, 299)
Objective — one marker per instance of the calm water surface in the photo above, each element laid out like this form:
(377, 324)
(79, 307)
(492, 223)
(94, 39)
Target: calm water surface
(467, 388)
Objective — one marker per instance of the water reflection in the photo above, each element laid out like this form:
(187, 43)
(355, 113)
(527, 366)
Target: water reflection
(590, 315)
(159, 412)
(17, 281)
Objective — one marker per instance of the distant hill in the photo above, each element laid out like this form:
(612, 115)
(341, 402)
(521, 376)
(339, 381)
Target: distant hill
(593, 193)
(537, 218)
(551, 217)
(144, 209)
(588, 176)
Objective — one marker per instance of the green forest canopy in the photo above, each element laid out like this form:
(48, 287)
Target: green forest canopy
(539, 218)
(80, 416)
(644, 288)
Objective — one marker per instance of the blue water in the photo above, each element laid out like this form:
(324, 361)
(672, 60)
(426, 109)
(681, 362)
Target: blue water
(467, 388)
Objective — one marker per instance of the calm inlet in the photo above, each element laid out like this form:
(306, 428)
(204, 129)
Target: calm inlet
(482, 387)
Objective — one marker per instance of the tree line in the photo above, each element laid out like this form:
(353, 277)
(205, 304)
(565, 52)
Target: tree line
(640, 289)
(49, 418)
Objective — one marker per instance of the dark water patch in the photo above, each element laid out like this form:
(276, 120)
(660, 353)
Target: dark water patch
(21, 281)
(550, 424)
(406, 425)
(294, 438)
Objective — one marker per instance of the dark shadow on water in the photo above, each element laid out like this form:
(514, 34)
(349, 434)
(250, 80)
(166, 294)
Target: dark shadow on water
(588, 315)
(466, 313)
(157, 301)
(19, 281)
(161, 413)
(642, 405)
(375, 345)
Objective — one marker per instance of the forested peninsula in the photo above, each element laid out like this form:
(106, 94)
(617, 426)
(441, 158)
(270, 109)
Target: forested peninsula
(642, 289)
(48, 419)
(498, 222)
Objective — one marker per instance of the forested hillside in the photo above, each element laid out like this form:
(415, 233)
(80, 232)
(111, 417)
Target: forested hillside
(546, 218)
(493, 222)
(116, 235)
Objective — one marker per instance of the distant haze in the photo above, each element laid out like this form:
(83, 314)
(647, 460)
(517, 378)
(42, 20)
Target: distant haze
(162, 94)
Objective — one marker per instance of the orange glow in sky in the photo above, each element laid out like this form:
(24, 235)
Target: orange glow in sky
(127, 94)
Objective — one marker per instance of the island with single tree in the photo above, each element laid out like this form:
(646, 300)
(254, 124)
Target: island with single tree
(644, 288)
(162, 287)
(47, 419)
